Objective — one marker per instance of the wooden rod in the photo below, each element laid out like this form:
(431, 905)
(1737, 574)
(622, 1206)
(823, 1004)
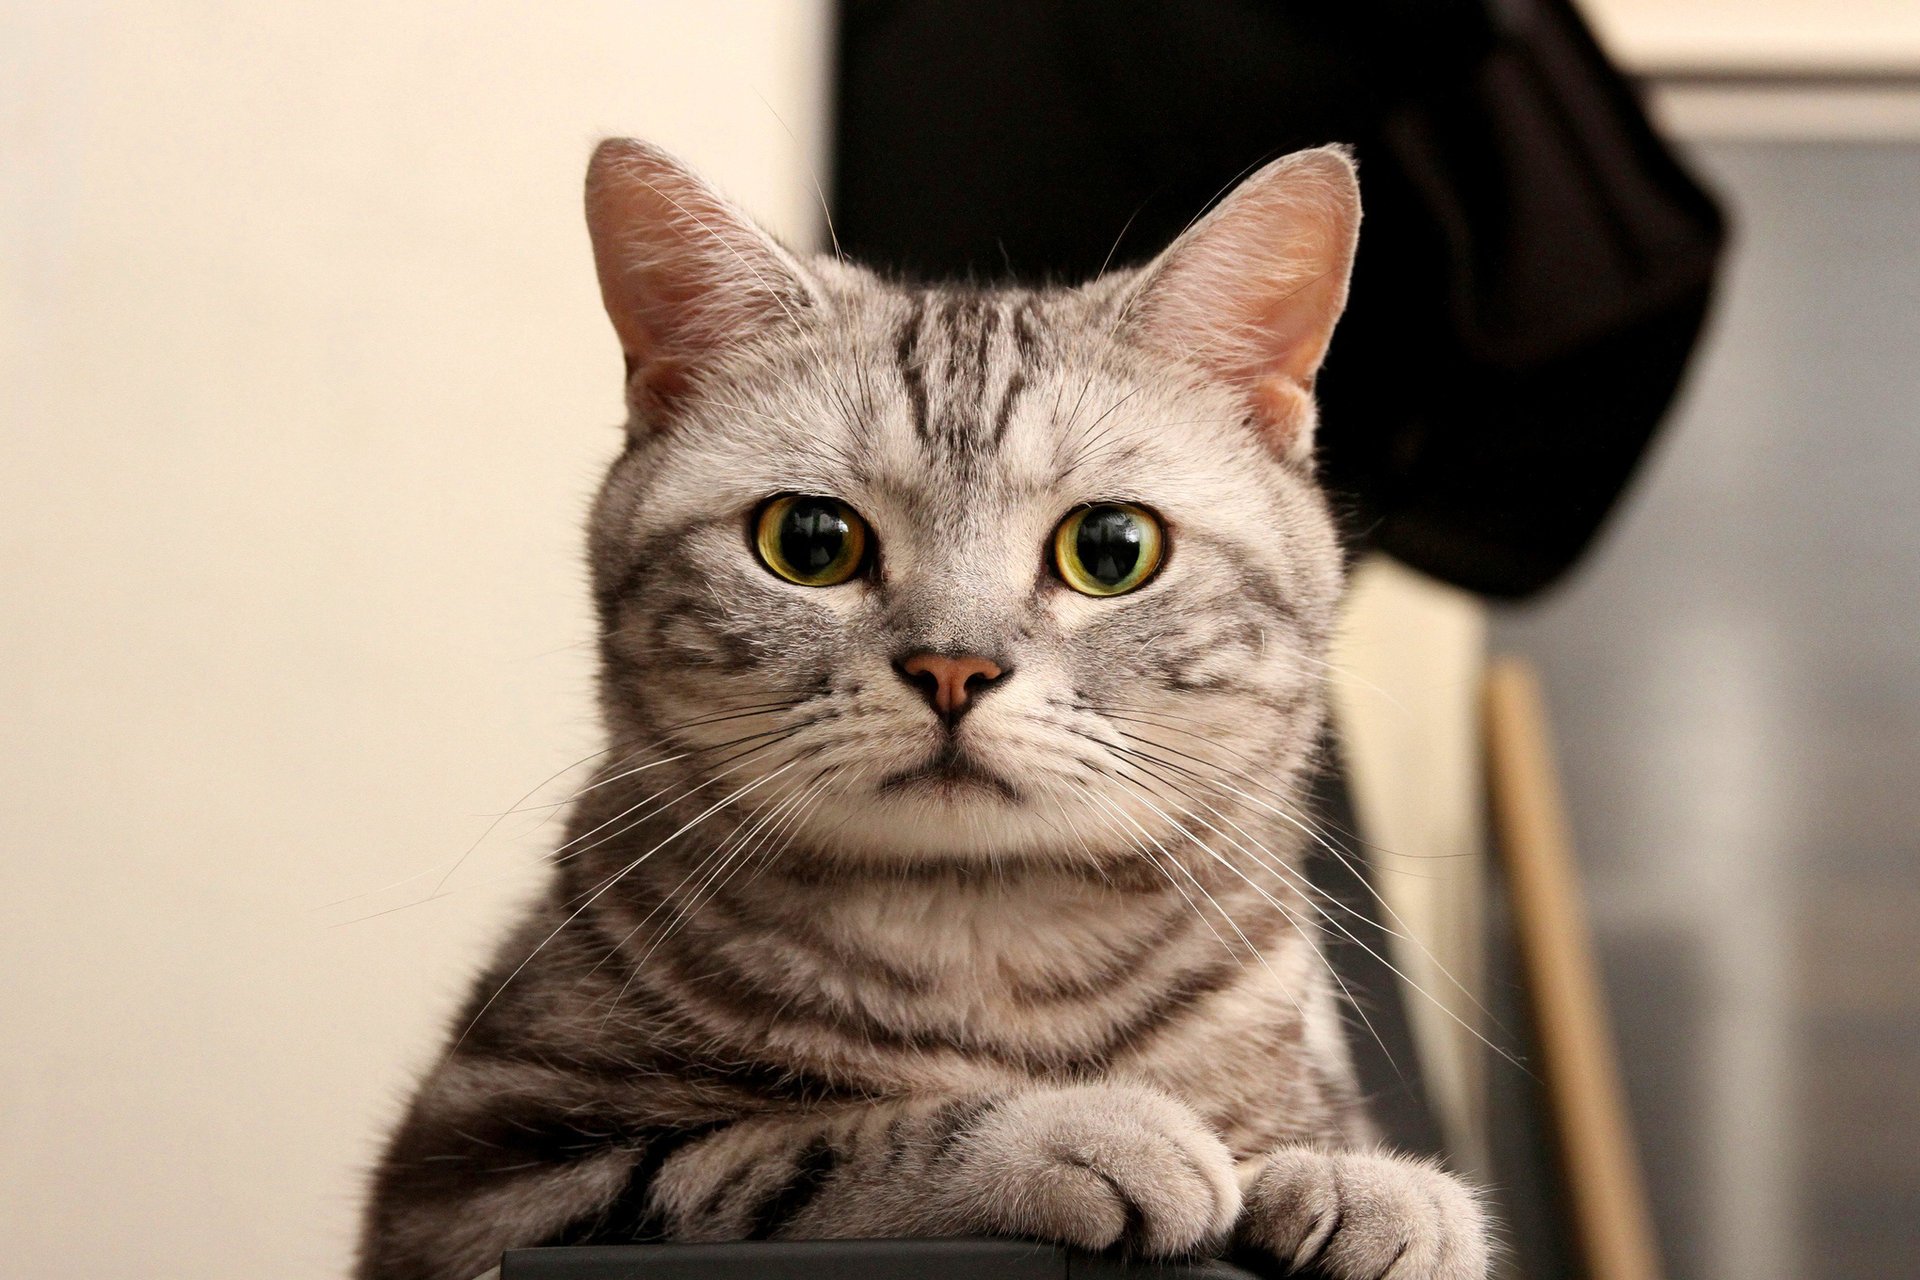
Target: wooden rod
(1607, 1198)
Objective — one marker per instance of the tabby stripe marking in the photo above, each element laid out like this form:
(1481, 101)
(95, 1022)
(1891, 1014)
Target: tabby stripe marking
(814, 1165)
(1015, 385)
(906, 352)
(630, 1218)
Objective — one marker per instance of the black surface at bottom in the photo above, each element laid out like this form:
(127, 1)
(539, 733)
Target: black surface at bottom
(843, 1260)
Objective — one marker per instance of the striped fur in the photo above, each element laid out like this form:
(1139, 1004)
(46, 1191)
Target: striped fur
(815, 963)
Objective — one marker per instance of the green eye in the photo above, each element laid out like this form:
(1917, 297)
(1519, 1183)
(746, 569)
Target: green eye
(1108, 550)
(816, 542)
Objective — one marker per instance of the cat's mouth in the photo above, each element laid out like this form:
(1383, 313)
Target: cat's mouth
(950, 772)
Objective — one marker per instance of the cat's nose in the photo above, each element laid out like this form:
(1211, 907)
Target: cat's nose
(950, 684)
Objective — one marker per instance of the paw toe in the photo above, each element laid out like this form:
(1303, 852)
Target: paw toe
(1357, 1216)
(1099, 1167)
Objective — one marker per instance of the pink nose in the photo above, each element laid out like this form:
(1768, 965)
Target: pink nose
(949, 683)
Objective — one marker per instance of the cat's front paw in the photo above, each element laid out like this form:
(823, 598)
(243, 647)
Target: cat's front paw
(1361, 1216)
(1097, 1166)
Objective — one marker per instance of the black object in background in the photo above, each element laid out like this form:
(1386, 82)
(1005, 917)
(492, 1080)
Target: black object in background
(1534, 266)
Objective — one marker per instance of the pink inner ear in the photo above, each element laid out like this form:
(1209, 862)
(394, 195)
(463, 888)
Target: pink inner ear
(1285, 408)
(1298, 327)
(683, 272)
(1254, 290)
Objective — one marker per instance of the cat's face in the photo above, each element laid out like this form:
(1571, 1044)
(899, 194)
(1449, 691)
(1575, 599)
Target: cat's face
(911, 660)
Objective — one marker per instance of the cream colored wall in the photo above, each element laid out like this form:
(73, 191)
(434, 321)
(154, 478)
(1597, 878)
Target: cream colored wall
(304, 384)
(1408, 666)
(1654, 36)
(1821, 70)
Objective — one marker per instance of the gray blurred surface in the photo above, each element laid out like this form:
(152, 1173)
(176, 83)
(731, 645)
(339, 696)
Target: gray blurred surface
(1735, 678)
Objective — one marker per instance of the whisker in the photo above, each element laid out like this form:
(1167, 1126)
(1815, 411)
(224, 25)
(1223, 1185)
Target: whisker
(764, 814)
(739, 760)
(1404, 932)
(1298, 924)
(608, 884)
(1278, 866)
(498, 819)
(738, 855)
(1147, 836)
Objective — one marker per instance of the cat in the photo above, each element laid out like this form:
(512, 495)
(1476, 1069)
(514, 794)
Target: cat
(961, 663)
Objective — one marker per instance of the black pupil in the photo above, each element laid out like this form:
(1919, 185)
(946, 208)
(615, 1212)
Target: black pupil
(813, 533)
(1108, 544)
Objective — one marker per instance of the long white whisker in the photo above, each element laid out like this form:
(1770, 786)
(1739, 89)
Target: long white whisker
(610, 882)
(1278, 866)
(1278, 906)
(1284, 988)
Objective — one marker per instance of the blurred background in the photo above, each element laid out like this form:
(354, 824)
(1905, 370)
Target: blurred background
(305, 386)
(1735, 679)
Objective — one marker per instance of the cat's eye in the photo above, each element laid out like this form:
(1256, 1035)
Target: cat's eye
(816, 542)
(1109, 549)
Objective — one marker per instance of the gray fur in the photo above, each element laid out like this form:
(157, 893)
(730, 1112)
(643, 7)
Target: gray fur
(791, 978)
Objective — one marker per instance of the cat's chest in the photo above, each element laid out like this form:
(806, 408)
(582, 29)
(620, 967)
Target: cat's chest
(997, 944)
(1248, 1036)
(995, 955)
(1021, 977)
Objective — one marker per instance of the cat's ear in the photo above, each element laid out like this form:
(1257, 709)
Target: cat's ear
(1252, 291)
(684, 272)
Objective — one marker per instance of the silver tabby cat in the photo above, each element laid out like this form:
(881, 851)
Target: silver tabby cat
(962, 656)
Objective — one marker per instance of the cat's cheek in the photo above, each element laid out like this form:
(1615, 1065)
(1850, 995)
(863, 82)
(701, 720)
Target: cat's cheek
(1104, 636)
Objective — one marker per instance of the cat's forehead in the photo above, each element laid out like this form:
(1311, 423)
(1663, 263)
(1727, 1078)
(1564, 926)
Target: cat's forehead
(961, 369)
(958, 406)
(1013, 390)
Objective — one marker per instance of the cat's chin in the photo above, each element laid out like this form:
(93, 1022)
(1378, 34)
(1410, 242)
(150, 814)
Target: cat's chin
(922, 821)
(950, 779)
(942, 815)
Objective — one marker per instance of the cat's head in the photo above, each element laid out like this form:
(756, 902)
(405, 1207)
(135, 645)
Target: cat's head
(951, 573)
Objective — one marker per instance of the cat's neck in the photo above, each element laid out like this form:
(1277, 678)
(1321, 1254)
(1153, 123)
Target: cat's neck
(1016, 924)
(880, 974)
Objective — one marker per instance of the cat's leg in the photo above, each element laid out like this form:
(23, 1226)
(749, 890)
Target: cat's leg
(1087, 1165)
(476, 1168)
(1353, 1215)
(1092, 1165)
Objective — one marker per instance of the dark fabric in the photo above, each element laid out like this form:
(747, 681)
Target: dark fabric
(1534, 268)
